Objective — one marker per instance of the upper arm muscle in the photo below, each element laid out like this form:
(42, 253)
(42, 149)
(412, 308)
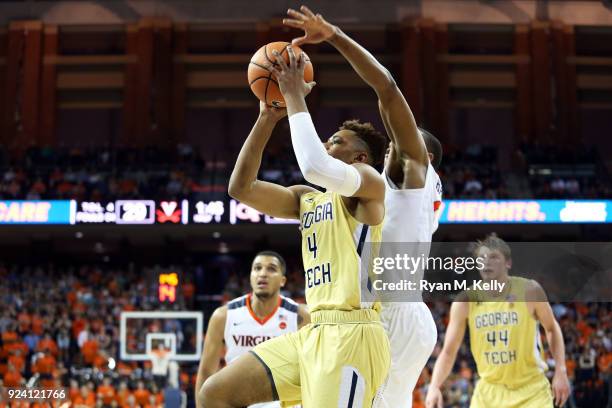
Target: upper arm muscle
(213, 344)
(401, 125)
(275, 200)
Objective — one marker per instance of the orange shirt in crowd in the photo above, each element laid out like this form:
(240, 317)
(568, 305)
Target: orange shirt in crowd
(48, 345)
(603, 362)
(37, 325)
(89, 351)
(8, 339)
(73, 392)
(90, 400)
(77, 326)
(107, 393)
(417, 399)
(12, 379)
(122, 396)
(570, 365)
(17, 361)
(71, 297)
(44, 364)
(18, 345)
(100, 362)
(142, 396)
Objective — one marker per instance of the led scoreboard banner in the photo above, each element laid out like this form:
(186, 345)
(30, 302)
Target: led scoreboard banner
(171, 212)
(229, 211)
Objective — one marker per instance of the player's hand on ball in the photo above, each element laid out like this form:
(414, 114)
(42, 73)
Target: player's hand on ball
(560, 388)
(316, 29)
(271, 112)
(291, 77)
(434, 398)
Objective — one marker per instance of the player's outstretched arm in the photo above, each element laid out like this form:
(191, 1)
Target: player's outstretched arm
(544, 314)
(395, 111)
(213, 345)
(269, 198)
(358, 180)
(444, 364)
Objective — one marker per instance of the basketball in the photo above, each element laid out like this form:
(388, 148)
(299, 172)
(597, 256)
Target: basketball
(263, 81)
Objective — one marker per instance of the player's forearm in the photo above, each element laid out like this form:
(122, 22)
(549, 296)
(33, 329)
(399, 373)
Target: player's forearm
(295, 104)
(362, 61)
(557, 347)
(442, 369)
(249, 159)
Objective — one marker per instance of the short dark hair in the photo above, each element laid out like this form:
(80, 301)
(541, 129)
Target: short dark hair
(374, 140)
(276, 255)
(433, 146)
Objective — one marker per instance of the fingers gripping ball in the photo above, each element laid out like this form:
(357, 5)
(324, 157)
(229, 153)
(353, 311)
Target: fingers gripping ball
(263, 80)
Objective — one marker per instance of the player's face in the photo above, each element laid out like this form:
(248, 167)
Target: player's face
(496, 265)
(266, 276)
(344, 145)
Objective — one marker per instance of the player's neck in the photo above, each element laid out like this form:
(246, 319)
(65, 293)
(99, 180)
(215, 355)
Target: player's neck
(264, 306)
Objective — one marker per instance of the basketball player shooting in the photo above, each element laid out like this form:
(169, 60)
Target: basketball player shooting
(504, 340)
(251, 319)
(342, 357)
(412, 197)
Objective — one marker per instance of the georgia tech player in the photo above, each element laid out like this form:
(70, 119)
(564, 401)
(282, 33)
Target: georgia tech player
(342, 357)
(413, 195)
(251, 319)
(504, 339)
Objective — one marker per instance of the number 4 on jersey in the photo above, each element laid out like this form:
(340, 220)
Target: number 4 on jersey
(312, 245)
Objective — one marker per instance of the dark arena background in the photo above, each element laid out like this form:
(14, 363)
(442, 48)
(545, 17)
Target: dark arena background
(120, 123)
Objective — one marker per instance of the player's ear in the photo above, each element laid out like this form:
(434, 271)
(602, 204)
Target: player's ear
(362, 157)
(283, 281)
(509, 263)
(431, 156)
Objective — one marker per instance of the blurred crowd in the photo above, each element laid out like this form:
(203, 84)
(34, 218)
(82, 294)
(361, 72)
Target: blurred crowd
(60, 327)
(559, 172)
(182, 172)
(108, 174)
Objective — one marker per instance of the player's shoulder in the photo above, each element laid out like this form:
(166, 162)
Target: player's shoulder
(534, 292)
(289, 304)
(216, 324)
(237, 303)
(370, 174)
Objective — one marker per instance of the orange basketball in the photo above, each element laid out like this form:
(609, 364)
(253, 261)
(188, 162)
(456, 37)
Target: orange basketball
(263, 81)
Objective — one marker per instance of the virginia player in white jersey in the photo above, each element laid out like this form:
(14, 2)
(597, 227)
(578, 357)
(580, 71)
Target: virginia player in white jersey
(413, 195)
(244, 322)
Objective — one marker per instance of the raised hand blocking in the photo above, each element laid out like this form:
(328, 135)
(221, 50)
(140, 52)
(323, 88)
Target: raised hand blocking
(316, 28)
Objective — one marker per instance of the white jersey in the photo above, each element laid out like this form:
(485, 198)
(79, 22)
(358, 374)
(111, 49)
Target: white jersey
(411, 214)
(411, 218)
(244, 330)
